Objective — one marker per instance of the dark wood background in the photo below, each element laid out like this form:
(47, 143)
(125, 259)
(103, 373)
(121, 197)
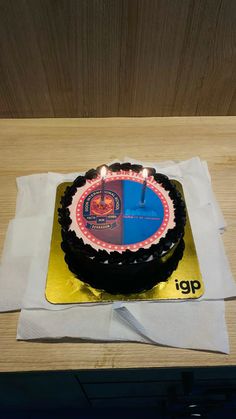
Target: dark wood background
(92, 58)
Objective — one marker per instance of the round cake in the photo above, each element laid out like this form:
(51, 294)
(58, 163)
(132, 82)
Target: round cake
(122, 228)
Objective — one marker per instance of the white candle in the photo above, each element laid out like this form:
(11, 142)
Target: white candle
(145, 175)
(103, 176)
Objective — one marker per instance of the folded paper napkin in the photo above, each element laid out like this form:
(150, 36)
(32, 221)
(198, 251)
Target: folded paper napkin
(197, 324)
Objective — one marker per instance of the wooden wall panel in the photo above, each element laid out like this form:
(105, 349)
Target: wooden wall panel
(77, 58)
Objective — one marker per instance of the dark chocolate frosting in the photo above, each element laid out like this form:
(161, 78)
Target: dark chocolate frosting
(128, 271)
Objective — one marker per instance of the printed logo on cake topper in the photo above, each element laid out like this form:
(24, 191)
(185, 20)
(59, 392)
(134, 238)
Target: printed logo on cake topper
(101, 216)
(120, 222)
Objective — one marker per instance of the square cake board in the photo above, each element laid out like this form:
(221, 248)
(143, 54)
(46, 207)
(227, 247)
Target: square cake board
(63, 287)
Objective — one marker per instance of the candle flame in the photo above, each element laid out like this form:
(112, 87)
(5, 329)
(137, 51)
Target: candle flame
(103, 172)
(145, 173)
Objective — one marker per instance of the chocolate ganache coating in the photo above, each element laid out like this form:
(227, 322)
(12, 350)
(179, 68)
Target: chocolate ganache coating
(127, 271)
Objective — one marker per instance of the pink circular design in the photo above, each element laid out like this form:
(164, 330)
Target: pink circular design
(94, 186)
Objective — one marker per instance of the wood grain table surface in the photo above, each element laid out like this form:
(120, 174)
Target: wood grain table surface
(64, 145)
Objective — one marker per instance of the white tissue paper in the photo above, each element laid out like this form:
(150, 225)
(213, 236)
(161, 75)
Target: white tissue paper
(24, 268)
(180, 327)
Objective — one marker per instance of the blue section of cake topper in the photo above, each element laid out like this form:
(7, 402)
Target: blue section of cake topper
(139, 223)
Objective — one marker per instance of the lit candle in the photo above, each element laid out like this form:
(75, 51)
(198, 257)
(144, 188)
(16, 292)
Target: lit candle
(145, 175)
(103, 176)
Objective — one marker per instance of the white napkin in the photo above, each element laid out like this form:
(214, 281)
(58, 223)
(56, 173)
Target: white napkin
(195, 325)
(35, 203)
(172, 327)
(214, 266)
(33, 218)
(90, 323)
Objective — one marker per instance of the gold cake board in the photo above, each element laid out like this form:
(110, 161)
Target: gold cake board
(62, 286)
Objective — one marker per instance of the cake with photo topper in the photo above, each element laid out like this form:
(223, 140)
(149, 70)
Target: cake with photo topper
(122, 228)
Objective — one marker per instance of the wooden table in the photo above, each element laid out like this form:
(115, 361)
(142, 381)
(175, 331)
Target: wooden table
(63, 145)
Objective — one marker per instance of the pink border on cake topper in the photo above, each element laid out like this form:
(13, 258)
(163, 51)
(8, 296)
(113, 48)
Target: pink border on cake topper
(111, 246)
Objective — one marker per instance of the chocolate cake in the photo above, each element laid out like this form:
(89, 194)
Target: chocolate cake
(113, 238)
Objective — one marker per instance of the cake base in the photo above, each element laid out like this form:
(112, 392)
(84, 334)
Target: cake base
(123, 279)
(63, 287)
